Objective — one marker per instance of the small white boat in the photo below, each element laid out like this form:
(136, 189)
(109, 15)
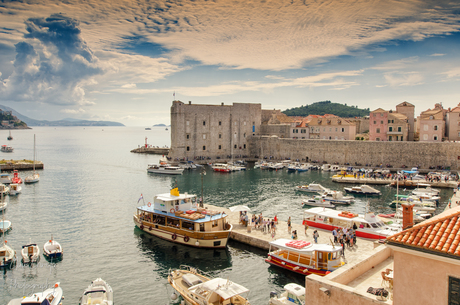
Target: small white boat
(52, 249)
(337, 197)
(35, 177)
(4, 190)
(197, 288)
(51, 296)
(221, 167)
(312, 188)
(164, 169)
(6, 148)
(99, 292)
(293, 294)
(30, 253)
(326, 167)
(275, 166)
(427, 190)
(15, 189)
(5, 178)
(7, 255)
(317, 201)
(5, 226)
(363, 190)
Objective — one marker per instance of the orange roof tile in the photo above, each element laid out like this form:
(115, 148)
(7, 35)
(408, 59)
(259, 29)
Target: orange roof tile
(440, 234)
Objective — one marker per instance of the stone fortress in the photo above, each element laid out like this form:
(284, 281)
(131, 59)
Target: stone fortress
(243, 130)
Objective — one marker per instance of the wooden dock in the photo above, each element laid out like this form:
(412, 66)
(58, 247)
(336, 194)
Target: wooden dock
(151, 150)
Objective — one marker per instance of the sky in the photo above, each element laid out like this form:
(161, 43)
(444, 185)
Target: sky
(126, 61)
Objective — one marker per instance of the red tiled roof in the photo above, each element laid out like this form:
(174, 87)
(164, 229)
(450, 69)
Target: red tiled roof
(439, 234)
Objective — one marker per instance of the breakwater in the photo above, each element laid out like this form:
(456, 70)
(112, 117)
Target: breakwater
(151, 150)
(396, 154)
(10, 166)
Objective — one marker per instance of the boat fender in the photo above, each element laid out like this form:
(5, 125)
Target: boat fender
(172, 211)
(150, 228)
(186, 239)
(174, 296)
(142, 227)
(174, 236)
(149, 204)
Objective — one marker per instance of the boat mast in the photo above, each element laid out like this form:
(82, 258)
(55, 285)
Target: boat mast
(34, 154)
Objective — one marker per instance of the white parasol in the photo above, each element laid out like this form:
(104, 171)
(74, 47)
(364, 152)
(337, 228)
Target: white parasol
(239, 208)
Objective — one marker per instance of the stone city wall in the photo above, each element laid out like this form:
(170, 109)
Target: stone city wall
(410, 154)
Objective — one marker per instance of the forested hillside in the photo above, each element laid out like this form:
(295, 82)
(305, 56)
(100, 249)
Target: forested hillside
(326, 107)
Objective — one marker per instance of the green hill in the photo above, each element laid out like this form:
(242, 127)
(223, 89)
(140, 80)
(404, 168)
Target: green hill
(326, 107)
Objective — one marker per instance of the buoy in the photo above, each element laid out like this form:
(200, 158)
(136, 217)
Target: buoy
(174, 296)
(197, 243)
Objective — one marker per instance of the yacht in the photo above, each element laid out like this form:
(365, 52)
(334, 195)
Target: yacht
(164, 169)
(363, 190)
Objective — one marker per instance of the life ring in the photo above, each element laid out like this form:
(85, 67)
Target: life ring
(142, 227)
(149, 204)
(174, 236)
(186, 239)
(172, 211)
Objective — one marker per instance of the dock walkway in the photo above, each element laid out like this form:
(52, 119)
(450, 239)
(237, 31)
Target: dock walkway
(258, 238)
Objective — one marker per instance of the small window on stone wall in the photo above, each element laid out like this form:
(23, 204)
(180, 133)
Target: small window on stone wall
(188, 148)
(220, 146)
(204, 147)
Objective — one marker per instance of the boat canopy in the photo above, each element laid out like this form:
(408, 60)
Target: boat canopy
(281, 243)
(410, 172)
(223, 287)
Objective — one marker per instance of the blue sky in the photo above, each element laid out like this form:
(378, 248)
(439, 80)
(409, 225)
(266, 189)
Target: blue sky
(123, 60)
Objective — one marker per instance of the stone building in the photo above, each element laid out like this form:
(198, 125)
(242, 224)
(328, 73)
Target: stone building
(215, 131)
(331, 127)
(408, 110)
(388, 126)
(431, 124)
(453, 124)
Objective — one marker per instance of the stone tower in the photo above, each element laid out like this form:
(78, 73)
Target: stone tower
(409, 111)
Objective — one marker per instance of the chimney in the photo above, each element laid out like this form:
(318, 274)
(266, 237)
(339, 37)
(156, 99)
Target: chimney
(408, 215)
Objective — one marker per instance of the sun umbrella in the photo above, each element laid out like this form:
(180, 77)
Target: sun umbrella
(239, 208)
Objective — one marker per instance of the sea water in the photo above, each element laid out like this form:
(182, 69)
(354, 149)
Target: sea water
(88, 191)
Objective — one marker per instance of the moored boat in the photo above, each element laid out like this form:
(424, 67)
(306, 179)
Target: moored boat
(336, 197)
(7, 255)
(4, 189)
(5, 225)
(312, 188)
(177, 218)
(317, 201)
(98, 292)
(6, 148)
(363, 190)
(30, 253)
(367, 226)
(164, 169)
(16, 179)
(15, 189)
(197, 288)
(5, 178)
(35, 177)
(51, 296)
(304, 257)
(52, 249)
(293, 294)
(221, 167)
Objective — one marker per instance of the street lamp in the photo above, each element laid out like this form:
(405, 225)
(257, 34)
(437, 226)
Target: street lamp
(203, 173)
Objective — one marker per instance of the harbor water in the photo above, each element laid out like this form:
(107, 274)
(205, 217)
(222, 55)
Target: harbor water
(89, 190)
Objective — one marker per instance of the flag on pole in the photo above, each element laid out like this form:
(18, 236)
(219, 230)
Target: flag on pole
(140, 198)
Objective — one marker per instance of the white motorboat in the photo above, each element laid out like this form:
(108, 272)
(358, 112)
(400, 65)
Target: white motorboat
(6, 148)
(5, 226)
(7, 255)
(427, 190)
(30, 253)
(51, 296)
(312, 188)
(4, 190)
(326, 167)
(317, 201)
(52, 249)
(363, 190)
(35, 177)
(15, 189)
(98, 292)
(337, 197)
(293, 294)
(275, 166)
(197, 288)
(164, 169)
(5, 178)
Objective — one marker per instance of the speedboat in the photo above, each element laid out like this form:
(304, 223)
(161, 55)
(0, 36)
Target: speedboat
(7, 255)
(312, 188)
(16, 179)
(52, 249)
(5, 178)
(317, 201)
(304, 257)
(337, 197)
(293, 294)
(15, 189)
(51, 296)
(164, 169)
(30, 253)
(197, 288)
(99, 292)
(5, 226)
(363, 190)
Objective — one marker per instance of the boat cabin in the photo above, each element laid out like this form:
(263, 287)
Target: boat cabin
(220, 291)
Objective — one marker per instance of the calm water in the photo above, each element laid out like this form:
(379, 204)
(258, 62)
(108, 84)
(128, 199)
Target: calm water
(86, 197)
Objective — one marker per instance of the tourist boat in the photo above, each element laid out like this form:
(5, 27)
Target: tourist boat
(16, 179)
(6, 148)
(337, 197)
(363, 190)
(5, 225)
(51, 296)
(318, 201)
(197, 288)
(10, 137)
(7, 255)
(98, 292)
(52, 249)
(367, 226)
(5, 178)
(312, 188)
(164, 169)
(293, 294)
(304, 257)
(15, 189)
(176, 217)
(35, 177)
(221, 167)
(30, 253)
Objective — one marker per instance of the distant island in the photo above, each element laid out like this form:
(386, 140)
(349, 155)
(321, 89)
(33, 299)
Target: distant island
(64, 122)
(326, 107)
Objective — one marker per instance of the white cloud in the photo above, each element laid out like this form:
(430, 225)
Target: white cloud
(129, 86)
(437, 54)
(73, 111)
(396, 79)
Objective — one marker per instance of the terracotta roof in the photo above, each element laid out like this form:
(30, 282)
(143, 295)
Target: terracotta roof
(440, 234)
(379, 110)
(405, 104)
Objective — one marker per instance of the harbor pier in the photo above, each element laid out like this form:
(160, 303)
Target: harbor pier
(12, 165)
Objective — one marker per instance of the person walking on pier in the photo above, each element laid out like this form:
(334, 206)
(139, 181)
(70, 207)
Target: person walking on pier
(289, 224)
(334, 233)
(315, 236)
